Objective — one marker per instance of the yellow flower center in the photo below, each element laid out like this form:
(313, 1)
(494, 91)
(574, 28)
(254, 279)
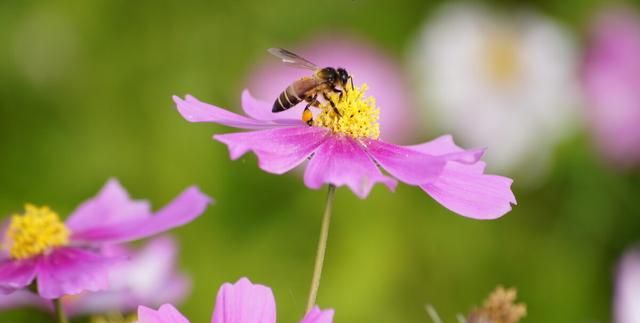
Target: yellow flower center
(35, 232)
(358, 114)
(501, 58)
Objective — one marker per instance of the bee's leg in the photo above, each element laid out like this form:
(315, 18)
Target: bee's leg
(351, 81)
(307, 115)
(333, 105)
(335, 89)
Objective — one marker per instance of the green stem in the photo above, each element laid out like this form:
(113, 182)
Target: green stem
(322, 248)
(62, 317)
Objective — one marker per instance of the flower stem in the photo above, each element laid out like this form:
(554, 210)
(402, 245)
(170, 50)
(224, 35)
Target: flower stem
(62, 317)
(322, 248)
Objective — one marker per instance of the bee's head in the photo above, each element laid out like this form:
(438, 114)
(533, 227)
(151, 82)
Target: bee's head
(329, 74)
(343, 76)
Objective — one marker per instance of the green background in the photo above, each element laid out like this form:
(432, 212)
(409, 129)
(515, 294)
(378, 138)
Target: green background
(85, 95)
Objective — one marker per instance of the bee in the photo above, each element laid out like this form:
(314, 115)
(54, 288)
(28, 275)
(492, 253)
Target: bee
(322, 82)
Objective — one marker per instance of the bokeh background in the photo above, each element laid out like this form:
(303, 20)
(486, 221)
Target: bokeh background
(85, 95)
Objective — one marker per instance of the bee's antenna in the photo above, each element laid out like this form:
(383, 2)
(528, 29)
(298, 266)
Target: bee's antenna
(351, 79)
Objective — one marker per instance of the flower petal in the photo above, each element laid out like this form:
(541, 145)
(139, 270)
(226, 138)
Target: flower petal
(445, 147)
(244, 302)
(148, 278)
(342, 161)
(165, 314)
(407, 165)
(439, 146)
(24, 299)
(261, 110)
(194, 110)
(464, 189)
(69, 271)
(16, 274)
(110, 207)
(183, 209)
(279, 150)
(316, 315)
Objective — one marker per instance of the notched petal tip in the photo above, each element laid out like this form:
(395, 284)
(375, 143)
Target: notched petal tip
(466, 190)
(244, 302)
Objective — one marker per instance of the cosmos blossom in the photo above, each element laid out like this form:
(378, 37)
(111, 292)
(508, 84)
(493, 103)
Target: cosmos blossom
(66, 258)
(611, 74)
(347, 151)
(508, 81)
(149, 277)
(242, 302)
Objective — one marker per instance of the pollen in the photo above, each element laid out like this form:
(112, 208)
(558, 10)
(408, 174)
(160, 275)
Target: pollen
(35, 232)
(358, 115)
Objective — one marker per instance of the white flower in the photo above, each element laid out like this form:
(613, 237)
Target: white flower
(508, 83)
(627, 291)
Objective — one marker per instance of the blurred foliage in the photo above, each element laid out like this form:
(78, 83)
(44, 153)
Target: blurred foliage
(85, 94)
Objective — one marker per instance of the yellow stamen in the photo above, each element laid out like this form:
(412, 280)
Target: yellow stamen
(358, 114)
(35, 232)
(501, 57)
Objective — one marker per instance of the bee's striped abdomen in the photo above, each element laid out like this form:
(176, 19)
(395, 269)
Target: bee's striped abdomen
(286, 100)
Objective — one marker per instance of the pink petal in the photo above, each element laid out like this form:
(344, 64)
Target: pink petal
(342, 161)
(439, 146)
(183, 209)
(261, 110)
(279, 150)
(194, 110)
(318, 316)
(244, 302)
(165, 314)
(407, 165)
(464, 189)
(16, 274)
(69, 271)
(149, 278)
(112, 206)
(24, 298)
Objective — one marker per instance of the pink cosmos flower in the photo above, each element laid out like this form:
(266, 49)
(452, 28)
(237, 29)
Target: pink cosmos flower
(67, 258)
(627, 290)
(149, 277)
(346, 151)
(242, 302)
(387, 81)
(611, 80)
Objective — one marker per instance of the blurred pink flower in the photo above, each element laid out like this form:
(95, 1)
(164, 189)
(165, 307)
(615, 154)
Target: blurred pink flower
(627, 289)
(242, 302)
(65, 258)
(612, 84)
(149, 277)
(364, 61)
(346, 151)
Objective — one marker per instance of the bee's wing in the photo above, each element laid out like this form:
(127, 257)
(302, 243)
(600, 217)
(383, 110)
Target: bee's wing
(292, 59)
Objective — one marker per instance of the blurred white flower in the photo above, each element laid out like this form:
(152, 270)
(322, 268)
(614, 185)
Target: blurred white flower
(627, 290)
(506, 82)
